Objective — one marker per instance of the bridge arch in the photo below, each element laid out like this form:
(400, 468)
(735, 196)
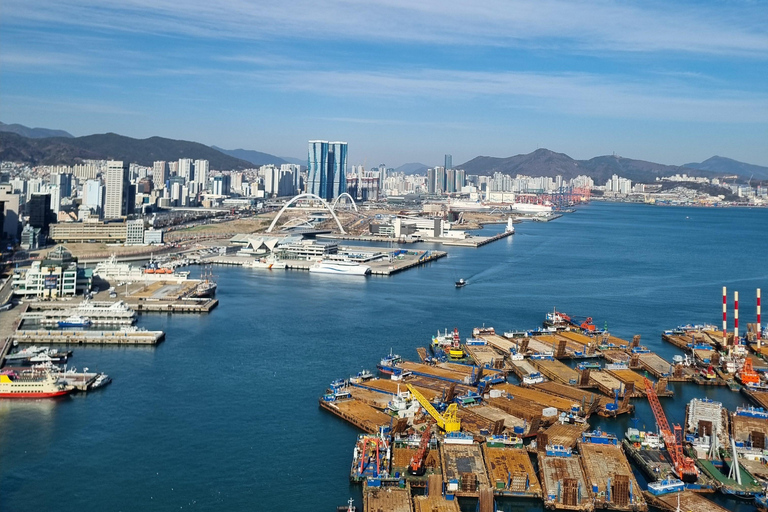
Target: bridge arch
(336, 201)
(305, 196)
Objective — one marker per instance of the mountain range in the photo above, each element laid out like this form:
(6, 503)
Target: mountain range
(42, 146)
(68, 151)
(32, 133)
(544, 162)
(724, 165)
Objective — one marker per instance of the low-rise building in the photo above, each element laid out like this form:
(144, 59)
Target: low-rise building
(134, 232)
(89, 231)
(55, 276)
(153, 236)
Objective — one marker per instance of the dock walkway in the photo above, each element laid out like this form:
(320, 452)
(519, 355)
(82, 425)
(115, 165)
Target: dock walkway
(88, 337)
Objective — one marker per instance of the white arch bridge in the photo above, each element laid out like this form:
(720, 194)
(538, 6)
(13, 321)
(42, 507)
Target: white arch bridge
(323, 202)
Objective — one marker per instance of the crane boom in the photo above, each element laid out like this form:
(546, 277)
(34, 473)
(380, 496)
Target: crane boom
(446, 421)
(685, 468)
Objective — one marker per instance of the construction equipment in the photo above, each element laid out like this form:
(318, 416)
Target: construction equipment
(748, 376)
(684, 467)
(417, 467)
(446, 421)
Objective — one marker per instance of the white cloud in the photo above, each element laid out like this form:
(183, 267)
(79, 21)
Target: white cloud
(580, 26)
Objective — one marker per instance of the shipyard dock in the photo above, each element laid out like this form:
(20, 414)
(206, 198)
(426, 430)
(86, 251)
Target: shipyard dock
(511, 472)
(463, 469)
(610, 477)
(565, 487)
(688, 501)
(360, 414)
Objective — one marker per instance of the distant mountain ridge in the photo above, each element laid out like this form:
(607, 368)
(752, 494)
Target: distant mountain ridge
(68, 151)
(254, 157)
(544, 162)
(33, 133)
(724, 165)
(412, 168)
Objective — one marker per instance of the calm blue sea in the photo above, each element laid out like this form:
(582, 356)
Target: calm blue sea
(223, 415)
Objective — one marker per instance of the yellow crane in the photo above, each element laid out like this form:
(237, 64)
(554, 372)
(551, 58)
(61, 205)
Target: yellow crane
(446, 421)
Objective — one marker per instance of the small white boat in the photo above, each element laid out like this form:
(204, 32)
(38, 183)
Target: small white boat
(102, 380)
(269, 263)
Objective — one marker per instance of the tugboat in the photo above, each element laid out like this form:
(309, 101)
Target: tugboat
(461, 283)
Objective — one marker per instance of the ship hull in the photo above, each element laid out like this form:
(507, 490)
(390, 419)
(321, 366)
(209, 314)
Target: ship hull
(52, 394)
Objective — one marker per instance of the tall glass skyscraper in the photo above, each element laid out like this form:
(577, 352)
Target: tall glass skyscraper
(327, 168)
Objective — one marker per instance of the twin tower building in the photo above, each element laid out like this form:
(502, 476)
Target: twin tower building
(327, 169)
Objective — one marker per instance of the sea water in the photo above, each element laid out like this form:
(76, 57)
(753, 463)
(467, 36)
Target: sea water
(223, 415)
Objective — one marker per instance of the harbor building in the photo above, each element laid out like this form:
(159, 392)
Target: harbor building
(327, 169)
(305, 250)
(89, 231)
(55, 276)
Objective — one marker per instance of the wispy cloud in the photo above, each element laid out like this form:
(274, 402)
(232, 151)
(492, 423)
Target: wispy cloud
(563, 93)
(588, 25)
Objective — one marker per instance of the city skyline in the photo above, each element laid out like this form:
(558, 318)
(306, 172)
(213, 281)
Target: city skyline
(669, 83)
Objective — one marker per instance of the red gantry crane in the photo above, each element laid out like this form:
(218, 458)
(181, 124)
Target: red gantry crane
(417, 466)
(685, 468)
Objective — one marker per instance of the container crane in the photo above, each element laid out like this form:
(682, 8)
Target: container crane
(685, 469)
(446, 421)
(417, 467)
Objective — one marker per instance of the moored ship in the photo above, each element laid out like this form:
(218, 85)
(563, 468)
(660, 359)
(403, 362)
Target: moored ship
(75, 321)
(32, 385)
(344, 268)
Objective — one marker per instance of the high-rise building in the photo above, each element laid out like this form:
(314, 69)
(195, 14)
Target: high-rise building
(64, 182)
(39, 211)
(237, 181)
(93, 196)
(120, 195)
(221, 185)
(9, 206)
(160, 173)
(55, 191)
(327, 168)
(185, 169)
(431, 182)
(448, 162)
(201, 173)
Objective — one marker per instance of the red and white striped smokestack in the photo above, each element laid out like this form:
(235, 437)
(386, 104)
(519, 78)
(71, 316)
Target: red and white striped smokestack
(735, 318)
(759, 331)
(725, 317)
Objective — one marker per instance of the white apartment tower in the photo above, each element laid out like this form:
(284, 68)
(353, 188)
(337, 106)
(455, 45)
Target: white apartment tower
(185, 169)
(201, 173)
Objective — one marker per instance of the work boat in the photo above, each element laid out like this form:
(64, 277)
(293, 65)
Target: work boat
(345, 268)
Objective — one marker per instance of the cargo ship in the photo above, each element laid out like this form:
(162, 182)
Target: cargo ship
(31, 385)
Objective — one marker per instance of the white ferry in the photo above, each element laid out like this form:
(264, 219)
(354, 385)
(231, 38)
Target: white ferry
(36, 385)
(344, 268)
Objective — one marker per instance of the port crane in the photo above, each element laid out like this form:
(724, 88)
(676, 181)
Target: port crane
(684, 467)
(446, 421)
(417, 467)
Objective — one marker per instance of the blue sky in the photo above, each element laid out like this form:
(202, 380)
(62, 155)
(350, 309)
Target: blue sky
(401, 81)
